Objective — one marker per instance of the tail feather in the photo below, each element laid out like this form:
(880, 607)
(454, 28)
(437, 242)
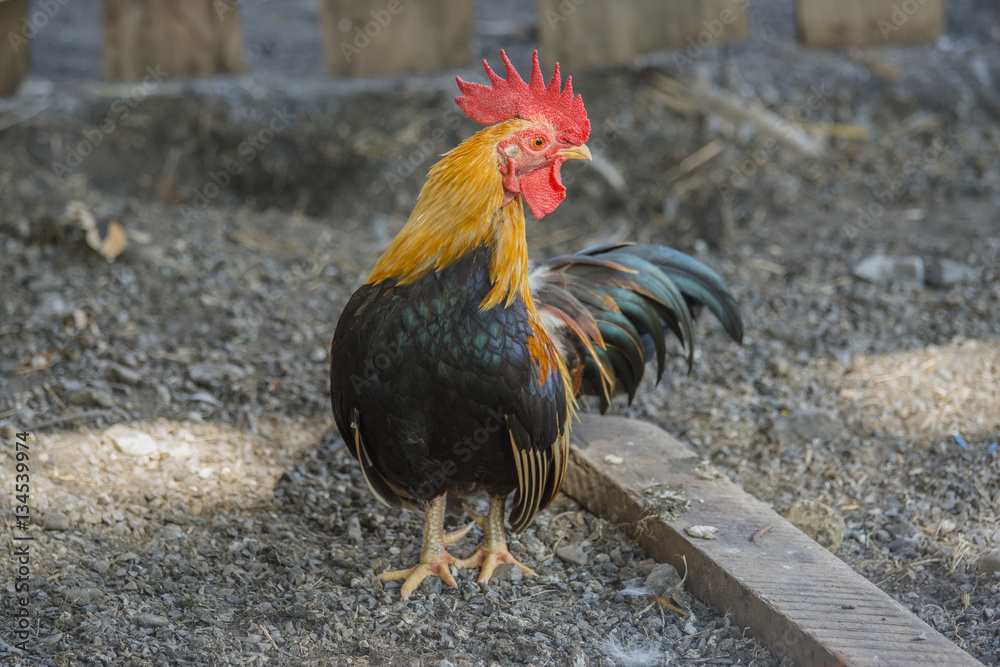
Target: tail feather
(612, 305)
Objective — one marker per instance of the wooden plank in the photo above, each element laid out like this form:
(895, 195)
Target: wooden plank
(15, 50)
(175, 38)
(375, 37)
(581, 34)
(793, 594)
(825, 24)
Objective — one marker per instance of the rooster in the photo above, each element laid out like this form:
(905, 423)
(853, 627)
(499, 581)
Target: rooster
(456, 368)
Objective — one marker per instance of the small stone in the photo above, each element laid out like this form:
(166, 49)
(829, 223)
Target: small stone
(123, 374)
(779, 367)
(577, 658)
(354, 530)
(508, 572)
(662, 578)
(943, 273)
(885, 269)
(534, 545)
(703, 532)
(130, 441)
(782, 330)
(572, 554)
(989, 564)
(614, 459)
(150, 620)
(818, 521)
(82, 596)
(54, 521)
(90, 397)
(101, 565)
(806, 426)
(210, 374)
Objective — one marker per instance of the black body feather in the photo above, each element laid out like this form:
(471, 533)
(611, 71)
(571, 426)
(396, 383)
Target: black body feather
(434, 395)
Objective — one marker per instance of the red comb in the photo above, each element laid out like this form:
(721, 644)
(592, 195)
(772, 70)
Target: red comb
(513, 98)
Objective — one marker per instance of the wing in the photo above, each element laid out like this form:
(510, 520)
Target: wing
(611, 306)
(465, 400)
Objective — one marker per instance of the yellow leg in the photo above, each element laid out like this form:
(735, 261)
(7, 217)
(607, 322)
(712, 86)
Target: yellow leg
(435, 561)
(493, 549)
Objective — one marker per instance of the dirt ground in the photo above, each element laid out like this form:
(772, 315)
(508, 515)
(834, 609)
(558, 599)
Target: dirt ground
(191, 502)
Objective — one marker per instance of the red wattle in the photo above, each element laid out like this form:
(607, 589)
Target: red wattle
(543, 190)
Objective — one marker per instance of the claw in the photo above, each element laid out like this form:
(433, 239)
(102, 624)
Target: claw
(435, 561)
(456, 535)
(415, 575)
(492, 551)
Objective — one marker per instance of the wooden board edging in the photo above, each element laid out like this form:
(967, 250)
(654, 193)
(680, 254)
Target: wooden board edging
(794, 595)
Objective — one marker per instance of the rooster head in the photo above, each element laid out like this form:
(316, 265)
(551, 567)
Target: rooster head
(554, 129)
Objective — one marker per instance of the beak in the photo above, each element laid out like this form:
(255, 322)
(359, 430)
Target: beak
(580, 152)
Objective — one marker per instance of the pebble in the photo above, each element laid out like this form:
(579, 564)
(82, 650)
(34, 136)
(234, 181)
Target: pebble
(119, 373)
(662, 578)
(90, 397)
(806, 426)
(354, 530)
(54, 521)
(509, 572)
(886, 269)
(989, 563)
(211, 374)
(703, 532)
(942, 272)
(83, 595)
(820, 522)
(573, 554)
(130, 441)
(150, 620)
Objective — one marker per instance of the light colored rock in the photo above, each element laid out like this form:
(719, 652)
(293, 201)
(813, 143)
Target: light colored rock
(130, 441)
(885, 269)
(989, 564)
(573, 554)
(943, 272)
(703, 532)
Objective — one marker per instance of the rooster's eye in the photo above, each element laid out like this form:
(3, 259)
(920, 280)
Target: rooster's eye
(538, 142)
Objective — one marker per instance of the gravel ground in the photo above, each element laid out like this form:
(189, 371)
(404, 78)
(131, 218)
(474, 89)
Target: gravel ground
(229, 526)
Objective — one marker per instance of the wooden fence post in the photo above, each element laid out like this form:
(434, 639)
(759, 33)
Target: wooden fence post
(580, 34)
(15, 50)
(868, 22)
(371, 37)
(174, 38)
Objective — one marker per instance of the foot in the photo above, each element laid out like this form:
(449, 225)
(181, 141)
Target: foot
(435, 561)
(492, 551)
